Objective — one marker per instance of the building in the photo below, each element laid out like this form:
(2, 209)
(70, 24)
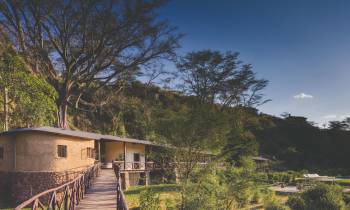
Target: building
(35, 159)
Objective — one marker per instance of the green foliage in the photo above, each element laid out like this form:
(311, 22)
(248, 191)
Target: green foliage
(302, 145)
(274, 205)
(206, 192)
(212, 76)
(296, 203)
(149, 200)
(31, 99)
(285, 177)
(240, 184)
(257, 197)
(321, 197)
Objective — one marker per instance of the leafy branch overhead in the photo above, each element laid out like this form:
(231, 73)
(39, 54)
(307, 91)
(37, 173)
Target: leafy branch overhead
(29, 101)
(75, 44)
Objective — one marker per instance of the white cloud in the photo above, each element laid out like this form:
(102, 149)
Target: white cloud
(330, 116)
(303, 96)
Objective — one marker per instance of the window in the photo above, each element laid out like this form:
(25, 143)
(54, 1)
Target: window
(1, 153)
(137, 157)
(62, 151)
(90, 152)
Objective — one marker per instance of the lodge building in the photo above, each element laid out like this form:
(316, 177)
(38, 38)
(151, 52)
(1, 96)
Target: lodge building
(35, 159)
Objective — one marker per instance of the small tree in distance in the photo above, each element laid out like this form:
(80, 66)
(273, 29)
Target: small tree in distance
(216, 77)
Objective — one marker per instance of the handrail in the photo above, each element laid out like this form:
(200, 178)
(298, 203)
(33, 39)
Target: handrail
(73, 192)
(150, 165)
(121, 202)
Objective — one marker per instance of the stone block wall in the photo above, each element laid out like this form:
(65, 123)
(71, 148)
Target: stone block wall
(4, 187)
(17, 187)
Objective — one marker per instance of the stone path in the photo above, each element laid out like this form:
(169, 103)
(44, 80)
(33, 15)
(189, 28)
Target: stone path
(102, 194)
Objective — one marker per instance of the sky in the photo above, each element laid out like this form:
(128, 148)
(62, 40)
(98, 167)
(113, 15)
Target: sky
(301, 46)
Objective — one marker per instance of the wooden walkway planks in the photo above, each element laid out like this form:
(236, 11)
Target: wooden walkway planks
(102, 194)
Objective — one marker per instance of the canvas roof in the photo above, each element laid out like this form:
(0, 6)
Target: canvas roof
(80, 134)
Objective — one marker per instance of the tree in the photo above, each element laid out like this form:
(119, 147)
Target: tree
(339, 125)
(76, 44)
(215, 77)
(192, 131)
(27, 99)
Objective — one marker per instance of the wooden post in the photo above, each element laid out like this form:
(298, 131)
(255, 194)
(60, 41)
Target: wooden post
(117, 173)
(99, 151)
(6, 110)
(124, 144)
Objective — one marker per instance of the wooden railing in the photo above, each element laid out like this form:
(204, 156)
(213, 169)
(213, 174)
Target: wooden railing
(154, 166)
(64, 197)
(134, 165)
(121, 202)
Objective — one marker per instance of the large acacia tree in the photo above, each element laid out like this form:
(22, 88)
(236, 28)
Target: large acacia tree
(76, 44)
(216, 77)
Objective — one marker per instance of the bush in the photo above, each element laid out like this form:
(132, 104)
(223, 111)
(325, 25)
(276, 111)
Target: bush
(324, 197)
(274, 205)
(296, 203)
(269, 195)
(256, 197)
(286, 177)
(149, 200)
(320, 197)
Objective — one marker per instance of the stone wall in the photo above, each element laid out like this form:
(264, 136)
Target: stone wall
(4, 187)
(17, 187)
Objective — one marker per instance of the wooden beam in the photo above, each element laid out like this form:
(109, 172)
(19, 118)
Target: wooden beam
(124, 144)
(99, 151)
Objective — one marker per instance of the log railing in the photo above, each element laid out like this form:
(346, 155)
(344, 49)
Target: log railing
(134, 165)
(121, 202)
(64, 197)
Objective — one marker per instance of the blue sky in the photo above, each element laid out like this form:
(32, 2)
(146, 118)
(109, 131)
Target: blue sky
(301, 46)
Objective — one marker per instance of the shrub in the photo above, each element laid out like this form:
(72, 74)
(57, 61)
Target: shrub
(320, 197)
(256, 197)
(170, 204)
(324, 197)
(274, 205)
(296, 203)
(269, 195)
(149, 200)
(203, 192)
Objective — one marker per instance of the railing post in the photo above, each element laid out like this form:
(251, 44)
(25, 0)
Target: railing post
(66, 198)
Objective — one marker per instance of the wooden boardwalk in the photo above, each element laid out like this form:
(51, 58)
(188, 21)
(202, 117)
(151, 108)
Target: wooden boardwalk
(102, 194)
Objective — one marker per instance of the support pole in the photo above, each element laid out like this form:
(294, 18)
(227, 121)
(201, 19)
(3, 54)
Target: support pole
(99, 151)
(6, 110)
(124, 144)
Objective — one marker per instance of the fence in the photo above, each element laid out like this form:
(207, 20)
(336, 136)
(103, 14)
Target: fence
(66, 196)
(121, 203)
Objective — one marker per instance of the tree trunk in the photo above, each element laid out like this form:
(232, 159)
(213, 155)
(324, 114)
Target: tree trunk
(62, 115)
(6, 110)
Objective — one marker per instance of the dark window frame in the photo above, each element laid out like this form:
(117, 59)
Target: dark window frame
(2, 152)
(62, 151)
(90, 152)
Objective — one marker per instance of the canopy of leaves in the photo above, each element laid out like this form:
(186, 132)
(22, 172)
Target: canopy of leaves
(31, 99)
(322, 197)
(216, 77)
(76, 44)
